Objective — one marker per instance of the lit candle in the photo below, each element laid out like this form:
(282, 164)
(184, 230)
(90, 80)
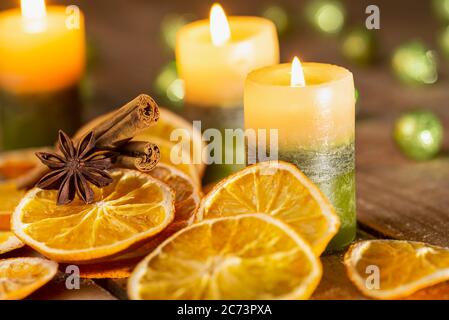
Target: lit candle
(313, 108)
(214, 56)
(42, 59)
(39, 50)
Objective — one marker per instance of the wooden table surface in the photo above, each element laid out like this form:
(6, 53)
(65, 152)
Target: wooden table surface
(397, 198)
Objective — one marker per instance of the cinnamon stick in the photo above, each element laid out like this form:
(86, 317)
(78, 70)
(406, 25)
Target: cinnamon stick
(122, 125)
(140, 155)
(115, 130)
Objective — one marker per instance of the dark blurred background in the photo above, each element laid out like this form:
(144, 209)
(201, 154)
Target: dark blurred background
(128, 51)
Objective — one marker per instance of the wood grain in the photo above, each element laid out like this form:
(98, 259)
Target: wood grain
(400, 198)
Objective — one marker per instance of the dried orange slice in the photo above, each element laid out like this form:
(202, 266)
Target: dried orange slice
(279, 189)
(391, 269)
(131, 209)
(187, 200)
(9, 242)
(10, 197)
(13, 164)
(187, 194)
(249, 256)
(22, 276)
(107, 270)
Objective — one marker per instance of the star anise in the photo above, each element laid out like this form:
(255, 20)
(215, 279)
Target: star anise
(76, 167)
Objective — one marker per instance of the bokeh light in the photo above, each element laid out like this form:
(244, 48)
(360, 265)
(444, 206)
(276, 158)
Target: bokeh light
(441, 9)
(170, 25)
(327, 16)
(419, 134)
(279, 16)
(444, 42)
(359, 46)
(413, 63)
(169, 87)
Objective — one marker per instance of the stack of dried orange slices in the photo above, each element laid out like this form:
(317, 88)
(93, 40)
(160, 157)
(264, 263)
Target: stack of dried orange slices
(128, 219)
(258, 235)
(298, 217)
(266, 222)
(183, 177)
(242, 232)
(13, 164)
(19, 276)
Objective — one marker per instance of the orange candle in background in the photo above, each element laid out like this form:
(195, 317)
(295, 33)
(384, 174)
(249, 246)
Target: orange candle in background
(41, 49)
(215, 55)
(42, 60)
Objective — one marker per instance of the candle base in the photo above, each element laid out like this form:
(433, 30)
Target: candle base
(33, 120)
(221, 119)
(333, 172)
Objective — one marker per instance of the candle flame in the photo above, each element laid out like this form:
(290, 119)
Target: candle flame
(219, 26)
(34, 15)
(297, 74)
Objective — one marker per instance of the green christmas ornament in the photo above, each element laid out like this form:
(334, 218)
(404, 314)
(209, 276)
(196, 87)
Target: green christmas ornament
(441, 9)
(413, 63)
(419, 134)
(279, 16)
(168, 85)
(359, 46)
(170, 25)
(327, 16)
(444, 42)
